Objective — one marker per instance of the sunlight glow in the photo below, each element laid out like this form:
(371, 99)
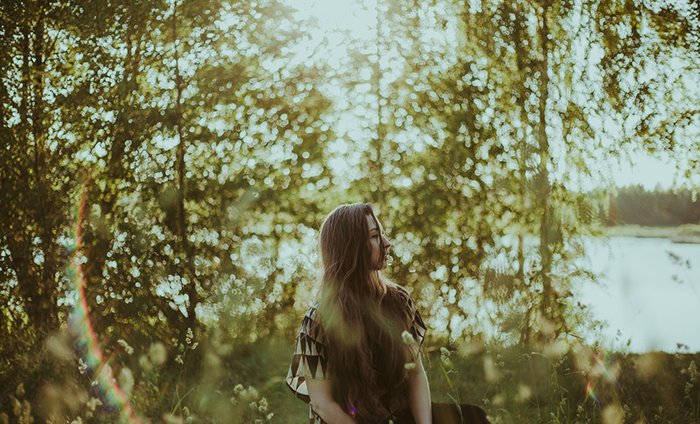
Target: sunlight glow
(356, 17)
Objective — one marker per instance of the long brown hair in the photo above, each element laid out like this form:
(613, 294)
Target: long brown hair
(362, 317)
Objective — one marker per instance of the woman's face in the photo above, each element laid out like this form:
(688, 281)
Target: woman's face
(376, 241)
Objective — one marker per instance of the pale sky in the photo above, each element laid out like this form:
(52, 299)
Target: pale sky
(358, 18)
(645, 170)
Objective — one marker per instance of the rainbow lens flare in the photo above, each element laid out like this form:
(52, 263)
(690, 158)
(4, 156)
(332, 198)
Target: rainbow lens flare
(601, 368)
(87, 343)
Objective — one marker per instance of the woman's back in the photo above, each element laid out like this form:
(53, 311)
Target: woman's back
(314, 347)
(355, 346)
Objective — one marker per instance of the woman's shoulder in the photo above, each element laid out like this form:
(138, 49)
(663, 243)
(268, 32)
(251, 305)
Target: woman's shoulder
(312, 310)
(401, 291)
(310, 324)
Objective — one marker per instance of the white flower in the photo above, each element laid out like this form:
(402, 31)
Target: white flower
(169, 418)
(126, 380)
(128, 349)
(157, 353)
(145, 363)
(249, 394)
(93, 403)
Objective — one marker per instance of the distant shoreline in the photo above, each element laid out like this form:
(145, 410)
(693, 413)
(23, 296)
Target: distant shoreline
(683, 234)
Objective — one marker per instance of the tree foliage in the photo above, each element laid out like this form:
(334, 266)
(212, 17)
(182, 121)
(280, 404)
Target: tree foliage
(210, 138)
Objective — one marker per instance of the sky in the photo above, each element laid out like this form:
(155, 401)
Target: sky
(645, 170)
(358, 18)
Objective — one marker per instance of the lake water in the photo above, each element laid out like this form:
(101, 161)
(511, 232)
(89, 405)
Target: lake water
(649, 293)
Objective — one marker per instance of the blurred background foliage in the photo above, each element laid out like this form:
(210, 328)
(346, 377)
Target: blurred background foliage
(211, 137)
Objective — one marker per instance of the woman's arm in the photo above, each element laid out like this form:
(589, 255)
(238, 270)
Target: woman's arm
(322, 402)
(420, 394)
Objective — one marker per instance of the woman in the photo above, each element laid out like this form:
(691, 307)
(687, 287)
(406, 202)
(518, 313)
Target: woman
(357, 354)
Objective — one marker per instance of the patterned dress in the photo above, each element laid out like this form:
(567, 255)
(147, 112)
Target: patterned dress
(309, 360)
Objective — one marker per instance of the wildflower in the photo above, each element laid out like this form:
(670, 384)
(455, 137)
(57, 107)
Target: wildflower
(490, 371)
(269, 416)
(26, 412)
(249, 394)
(16, 406)
(524, 393)
(82, 366)
(445, 357)
(157, 353)
(499, 399)
(128, 349)
(126, 380)
(212, 360)
(410, 365)
(169, 418)
(59, 348)
(145, 363)
(223, 349)
(20, 390)
(407, 337)
(263, 405)
(238, 389)
(612, 414)
(556, 349)
(93, 403)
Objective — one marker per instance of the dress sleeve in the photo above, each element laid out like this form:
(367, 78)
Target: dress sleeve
(417, 327)
(309, 360)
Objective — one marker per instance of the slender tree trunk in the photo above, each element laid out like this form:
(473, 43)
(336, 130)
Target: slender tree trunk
(191, 287)
(98, 243)
(377, 175)
(544, 184)
(47, 310)
(523, 153)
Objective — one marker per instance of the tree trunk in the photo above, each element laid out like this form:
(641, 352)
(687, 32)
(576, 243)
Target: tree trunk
(543, 174)
(377, 176)
(191, 286)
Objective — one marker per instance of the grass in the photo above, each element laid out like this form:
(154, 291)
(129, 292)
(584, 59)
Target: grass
(513, 385)
(561, 383)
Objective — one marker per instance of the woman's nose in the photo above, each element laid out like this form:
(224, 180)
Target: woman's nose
(387, 244)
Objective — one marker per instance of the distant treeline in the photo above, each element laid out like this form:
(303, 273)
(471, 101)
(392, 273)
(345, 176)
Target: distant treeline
(660, 208)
